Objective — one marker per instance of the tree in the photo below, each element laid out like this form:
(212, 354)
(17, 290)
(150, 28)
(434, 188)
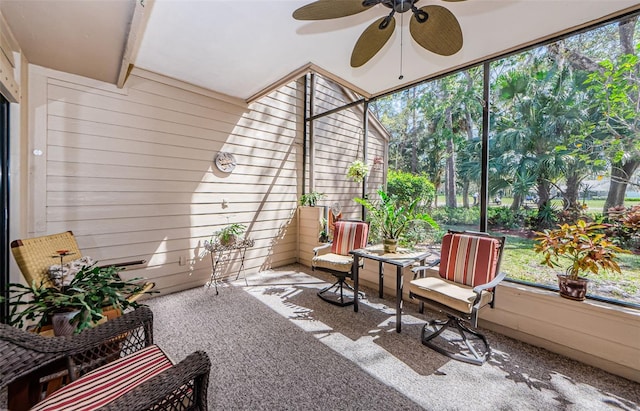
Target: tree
(615, 84)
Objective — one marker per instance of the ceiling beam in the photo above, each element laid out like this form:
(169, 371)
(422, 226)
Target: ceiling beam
(141, 12)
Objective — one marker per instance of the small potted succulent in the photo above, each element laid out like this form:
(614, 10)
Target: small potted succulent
(392, 217)
(585, 247)
(79, 305)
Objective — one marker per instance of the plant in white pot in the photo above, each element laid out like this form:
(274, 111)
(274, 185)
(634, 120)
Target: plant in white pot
(392, 217)
(82, 303)
(585, 247)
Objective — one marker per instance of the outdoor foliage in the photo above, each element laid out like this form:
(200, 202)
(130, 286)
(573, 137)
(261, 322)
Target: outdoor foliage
(407, 186)
(564, 130)
(624, 226)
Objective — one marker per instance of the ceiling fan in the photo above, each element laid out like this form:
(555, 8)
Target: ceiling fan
(433, 27)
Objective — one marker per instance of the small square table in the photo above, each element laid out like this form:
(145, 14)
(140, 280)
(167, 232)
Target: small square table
(401, 259)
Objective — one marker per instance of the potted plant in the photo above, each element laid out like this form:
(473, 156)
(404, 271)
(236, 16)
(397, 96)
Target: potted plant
(229, 234)
(311, 199)
(324, 235)
(79, 305)
(587, 250)
(393, 217)
(357, 171)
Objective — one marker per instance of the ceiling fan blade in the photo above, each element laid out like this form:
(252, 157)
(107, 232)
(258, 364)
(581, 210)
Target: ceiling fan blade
(330, 9)
(441, 33)
(371, 41)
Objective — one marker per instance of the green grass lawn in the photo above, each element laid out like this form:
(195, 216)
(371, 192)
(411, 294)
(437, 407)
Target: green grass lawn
(593, 206)
(520, 262)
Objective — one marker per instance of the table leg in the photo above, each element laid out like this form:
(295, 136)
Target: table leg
(214, 268)
(356, 275)
(380, 279)
(399, 281)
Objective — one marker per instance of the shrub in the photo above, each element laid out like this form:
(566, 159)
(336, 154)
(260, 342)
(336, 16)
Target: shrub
(456, 216)
(504, 217)
(408, 186)
(624, 225)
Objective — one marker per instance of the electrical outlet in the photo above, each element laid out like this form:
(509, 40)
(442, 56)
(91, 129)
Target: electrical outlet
(182, 260)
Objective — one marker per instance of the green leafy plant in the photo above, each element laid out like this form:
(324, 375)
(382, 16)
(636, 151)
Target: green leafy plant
(583, 244)
(229, 234)
(357, 171)
(92, 289)
(393, 216)
(323, 235)
(311, 199)
(408, 186)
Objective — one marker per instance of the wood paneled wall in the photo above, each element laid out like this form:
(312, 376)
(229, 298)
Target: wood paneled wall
(130, 171)
(338, 141)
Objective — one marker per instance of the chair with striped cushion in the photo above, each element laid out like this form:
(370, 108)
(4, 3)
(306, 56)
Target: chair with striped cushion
(465, 282)
(348, 235)
(113, 366)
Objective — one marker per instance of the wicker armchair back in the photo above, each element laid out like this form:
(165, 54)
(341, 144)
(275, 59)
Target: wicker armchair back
(24, 355)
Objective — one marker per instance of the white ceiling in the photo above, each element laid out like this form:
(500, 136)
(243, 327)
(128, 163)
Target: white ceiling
(239, 47)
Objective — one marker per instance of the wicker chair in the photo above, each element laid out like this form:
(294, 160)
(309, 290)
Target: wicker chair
(123, 347)
(35, 255)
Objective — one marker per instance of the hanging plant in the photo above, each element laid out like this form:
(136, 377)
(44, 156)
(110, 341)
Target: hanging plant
(357, 171)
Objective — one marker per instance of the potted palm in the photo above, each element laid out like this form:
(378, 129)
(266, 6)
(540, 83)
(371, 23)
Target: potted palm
(74, 307)
(392, 217)
(587, 250)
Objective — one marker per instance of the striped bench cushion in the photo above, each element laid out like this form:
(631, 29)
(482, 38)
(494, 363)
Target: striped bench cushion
(105, 384)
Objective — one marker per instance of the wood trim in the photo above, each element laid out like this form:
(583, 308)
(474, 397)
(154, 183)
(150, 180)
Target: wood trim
(37, 164)
(150, 75)
(141, 13)
(296, 74)
(9, 87)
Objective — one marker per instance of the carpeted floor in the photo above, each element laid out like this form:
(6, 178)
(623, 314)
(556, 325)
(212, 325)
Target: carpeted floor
(275, 345)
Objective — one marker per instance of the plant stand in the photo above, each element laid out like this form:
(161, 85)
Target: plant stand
(221, 254)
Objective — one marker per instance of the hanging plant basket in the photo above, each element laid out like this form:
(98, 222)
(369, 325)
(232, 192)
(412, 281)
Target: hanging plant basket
(357, 171)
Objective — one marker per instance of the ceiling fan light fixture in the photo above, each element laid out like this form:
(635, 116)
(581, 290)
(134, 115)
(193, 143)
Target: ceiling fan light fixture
(441, 35)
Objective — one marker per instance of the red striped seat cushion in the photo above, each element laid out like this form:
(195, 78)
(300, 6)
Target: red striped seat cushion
(105, 384)
(468, 259)
(349, 235)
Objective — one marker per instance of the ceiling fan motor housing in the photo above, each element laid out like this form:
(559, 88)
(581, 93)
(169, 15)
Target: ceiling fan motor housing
(400, 6)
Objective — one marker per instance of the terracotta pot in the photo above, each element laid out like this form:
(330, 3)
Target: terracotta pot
(572, 289)
(390, 245)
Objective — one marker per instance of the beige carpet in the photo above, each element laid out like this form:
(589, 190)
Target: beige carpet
(275, 345)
